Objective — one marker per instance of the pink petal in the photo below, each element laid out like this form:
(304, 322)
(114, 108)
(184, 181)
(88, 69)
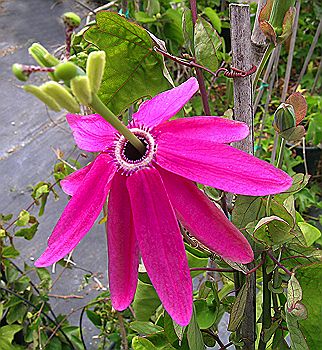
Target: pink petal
(91, 132)
(71, 183)
(165, 105)
(161, 243)
(80, 212)
(123, 255)
(215, 129)
(205, 221)
(220, 166)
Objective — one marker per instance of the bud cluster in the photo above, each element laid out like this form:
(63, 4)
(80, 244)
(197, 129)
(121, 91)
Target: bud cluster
(70, 86)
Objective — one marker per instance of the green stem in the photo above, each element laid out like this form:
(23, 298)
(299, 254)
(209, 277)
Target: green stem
(281, 154)
(279, 165)
(266, 315)
(98, 106)
(265, 58)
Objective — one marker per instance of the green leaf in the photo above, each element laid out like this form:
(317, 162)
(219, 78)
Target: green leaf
(169, 328)
(133, 69)
(293, 134)
(179, 330)
(73, 334)
(6, 217)
(206, 315)
(268, 333)
(7, 332)
(1, 310)
(294, 293)
(299, 182)
(237, 311)
(172, 28)
(206, 43)
(187, 29)
(45, 278)
(10, 252)
(297, 338)
(160, 341)
(247, 209)
(17, 313)
(310, 279)
(139, 343)
(310, 232)
(146, 301)
(12, 273)
(23, 218)
(214, 18)
(54, 344)
(273, 231)
(94, 318)
(153, 7)
(145, 328)
(28, 233)
(195, 262)
(314, 132)
(194, 334)
(143, 17)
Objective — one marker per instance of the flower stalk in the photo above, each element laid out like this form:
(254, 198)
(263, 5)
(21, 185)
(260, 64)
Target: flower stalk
(99, 107)
(265, 58)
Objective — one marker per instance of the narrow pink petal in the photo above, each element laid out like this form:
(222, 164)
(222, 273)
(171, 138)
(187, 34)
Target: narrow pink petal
(161, 243)
(72, 182)
(80, 212)
(165, 105)
(205, 221)
(220, 166)
(215, 129)
(91, 132)
(123, 255)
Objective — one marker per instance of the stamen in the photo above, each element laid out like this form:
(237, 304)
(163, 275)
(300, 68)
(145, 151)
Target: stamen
(127, 158)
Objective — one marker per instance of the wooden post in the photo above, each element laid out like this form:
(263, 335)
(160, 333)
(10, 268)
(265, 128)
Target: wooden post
(259, 43)
(241, 55)
(243, 111)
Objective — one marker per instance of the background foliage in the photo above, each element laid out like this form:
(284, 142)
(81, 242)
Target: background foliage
(289, 236)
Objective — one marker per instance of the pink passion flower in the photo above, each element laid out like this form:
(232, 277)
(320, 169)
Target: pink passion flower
(149, 193)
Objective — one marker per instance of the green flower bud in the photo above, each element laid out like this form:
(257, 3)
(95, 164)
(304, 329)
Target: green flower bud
(42, 56)
(42, 96)
(61, 96)
(284, 117)
(71, 19)
(66, 71)
(81, 89)
(95, 69)
(18, 71)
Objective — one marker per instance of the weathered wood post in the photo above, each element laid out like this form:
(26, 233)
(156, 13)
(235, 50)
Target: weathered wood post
(243, 111)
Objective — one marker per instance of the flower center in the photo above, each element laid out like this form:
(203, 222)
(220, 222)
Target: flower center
(128, 158)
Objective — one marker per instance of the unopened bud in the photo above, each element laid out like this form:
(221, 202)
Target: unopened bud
(284, 117)
(42, 96)
(71, 19)
(95, 69)
(19, 72)
(61, 96)
(81, 89)
(66, 71)
(42, 56)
